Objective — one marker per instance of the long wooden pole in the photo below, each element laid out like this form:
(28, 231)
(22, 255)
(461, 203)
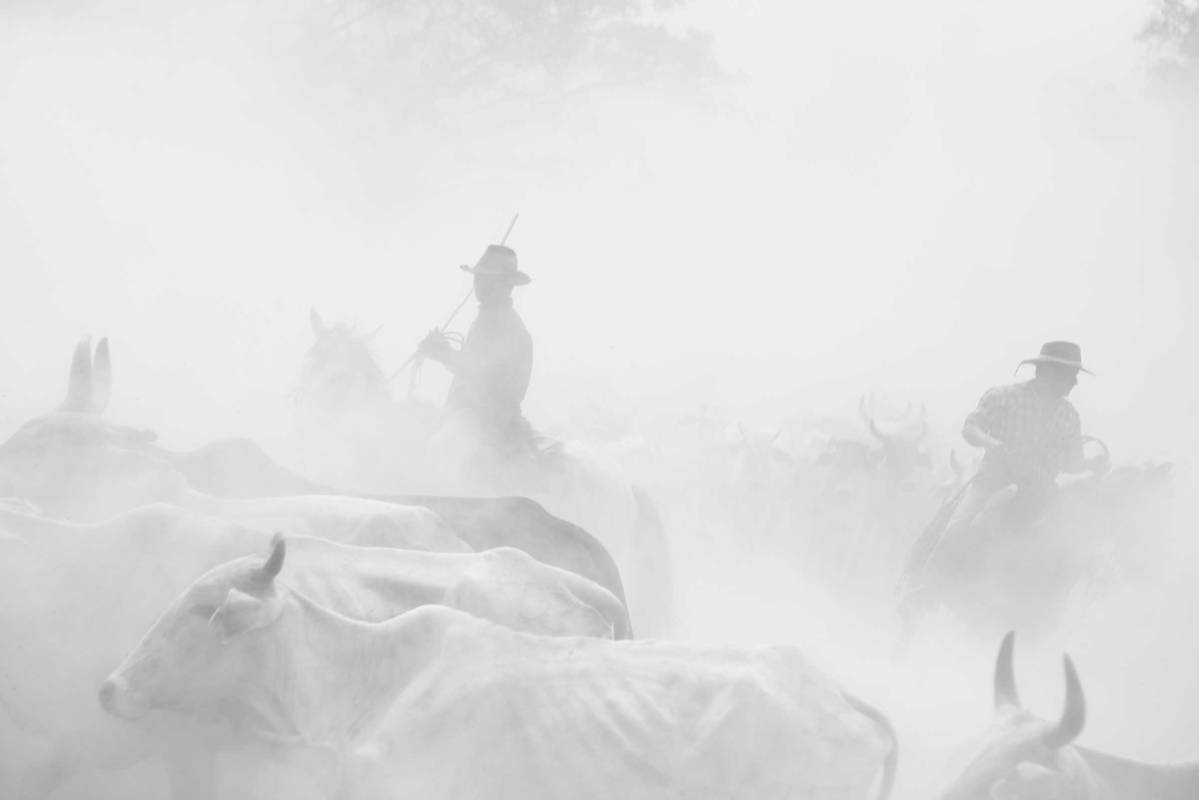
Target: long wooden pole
(503, 241)
(459, 307)
(511, 225)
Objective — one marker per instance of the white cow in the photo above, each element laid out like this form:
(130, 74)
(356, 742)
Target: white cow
(1027, 758)
(75, 598)
(338, 518)
(436, 703)
(593, 491)
(72, 464)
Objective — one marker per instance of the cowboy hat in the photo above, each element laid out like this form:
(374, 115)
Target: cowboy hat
(499, 260)
(1066, 354)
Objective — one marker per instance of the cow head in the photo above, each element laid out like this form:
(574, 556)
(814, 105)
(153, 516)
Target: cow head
(759, 449)
(203, 643)
(844, 455)
(901, 450)
(74, 464)
(1026, 757)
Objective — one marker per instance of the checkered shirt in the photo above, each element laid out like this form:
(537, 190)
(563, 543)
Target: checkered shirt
(1041, 433)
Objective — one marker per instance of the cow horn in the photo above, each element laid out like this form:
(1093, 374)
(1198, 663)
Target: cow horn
(866, 410)
(864, 407)
(923, 423)
(274, 562)
(79, 384)
(775, 436)
(315, 321)
(1006, 694)
(1074, 715)
(101, 378)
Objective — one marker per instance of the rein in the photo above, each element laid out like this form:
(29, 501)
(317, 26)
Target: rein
(416, 357)
(418, 361)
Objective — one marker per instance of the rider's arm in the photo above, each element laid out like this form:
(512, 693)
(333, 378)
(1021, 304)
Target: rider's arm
(975, 435)
(979, 429)
(436, 347)
(1073, 461)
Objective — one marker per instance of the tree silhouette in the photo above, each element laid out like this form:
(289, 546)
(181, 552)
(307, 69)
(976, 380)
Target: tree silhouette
(1172, 35)
(545, 47)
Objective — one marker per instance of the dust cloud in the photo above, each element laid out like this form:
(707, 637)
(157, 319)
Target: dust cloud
(812, 203)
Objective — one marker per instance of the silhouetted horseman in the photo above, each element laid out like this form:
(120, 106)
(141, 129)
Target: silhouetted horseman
(1030, 433)
(491, 371)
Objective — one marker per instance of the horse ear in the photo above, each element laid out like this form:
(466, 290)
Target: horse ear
(372, 334)
(318, 324)
(101, 378)
(79, 384)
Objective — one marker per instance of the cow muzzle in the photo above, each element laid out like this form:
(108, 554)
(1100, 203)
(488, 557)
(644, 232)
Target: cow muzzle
(117, 700)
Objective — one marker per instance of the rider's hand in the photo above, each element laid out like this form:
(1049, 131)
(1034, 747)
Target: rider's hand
(435, 345)
(1099, 465)
(997, 449)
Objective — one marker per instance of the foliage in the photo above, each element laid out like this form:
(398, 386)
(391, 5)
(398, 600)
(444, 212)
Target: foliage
(1172, 36)
(550, 48)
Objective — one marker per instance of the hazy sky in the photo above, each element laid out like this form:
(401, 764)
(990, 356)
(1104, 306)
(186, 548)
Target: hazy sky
(907, 197)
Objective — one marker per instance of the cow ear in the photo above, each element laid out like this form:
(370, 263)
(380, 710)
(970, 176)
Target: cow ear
(1031, 780)
(101, 378)
(318, 324)
(79, 384)
(1002, 789)
(1038, 774)
(241, 612)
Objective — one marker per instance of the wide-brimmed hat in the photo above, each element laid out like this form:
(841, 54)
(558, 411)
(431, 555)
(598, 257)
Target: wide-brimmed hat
(498, 260)
(1066, 354)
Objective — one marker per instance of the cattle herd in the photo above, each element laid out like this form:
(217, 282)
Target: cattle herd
(219, 626)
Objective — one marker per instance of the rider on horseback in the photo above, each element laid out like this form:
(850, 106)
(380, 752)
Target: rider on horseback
(491, 371)
(1031, 433)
